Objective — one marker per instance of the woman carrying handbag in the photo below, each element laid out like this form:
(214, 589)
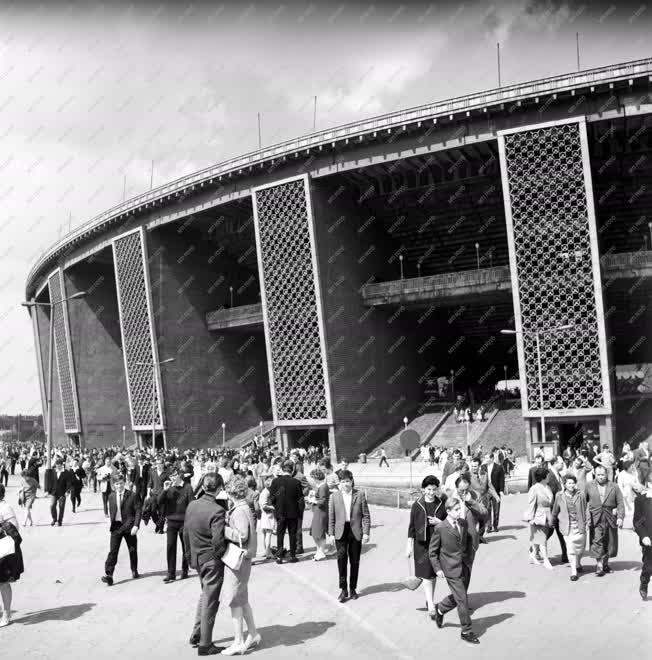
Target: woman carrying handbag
(539, 516)
(241, 532)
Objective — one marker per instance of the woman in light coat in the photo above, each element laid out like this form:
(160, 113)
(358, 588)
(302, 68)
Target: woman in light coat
(241, 530)
(539, 516)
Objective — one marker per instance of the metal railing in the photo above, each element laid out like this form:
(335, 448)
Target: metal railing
(387, 121)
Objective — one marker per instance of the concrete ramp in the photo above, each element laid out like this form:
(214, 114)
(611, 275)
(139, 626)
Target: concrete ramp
(506, 428)
(247, 436)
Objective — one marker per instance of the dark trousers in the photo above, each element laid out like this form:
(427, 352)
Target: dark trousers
(118, 532)
(59, 502)
(4, 476)
(94, 482)
(13, 466)
(562, 540)
(383, 460)
(300, 533)
(348, 552)
(211, 576)
(175, 530)
(458, 598)
(603, 539)
(105, 502)
(159, 520)
(289, 524)
(646, 569)
(494, 513)
(75, 498)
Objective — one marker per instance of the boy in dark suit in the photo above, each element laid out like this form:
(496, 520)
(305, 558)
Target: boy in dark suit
(451, 552)
(643, 527)
(125, 511)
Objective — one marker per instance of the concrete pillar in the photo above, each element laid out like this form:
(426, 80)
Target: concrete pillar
(606, 429)
(332, 446)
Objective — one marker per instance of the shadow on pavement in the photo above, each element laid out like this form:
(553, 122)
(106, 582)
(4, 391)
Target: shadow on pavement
(624, 565)
(508, 528)
(146, 575)
(65, 613)
(386, 587)
(480, 626)
(287, 635)
(483, 598)
(366, 547)
(499, 537)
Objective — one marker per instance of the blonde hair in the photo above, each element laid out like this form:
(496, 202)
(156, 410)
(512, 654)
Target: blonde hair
(236, 487)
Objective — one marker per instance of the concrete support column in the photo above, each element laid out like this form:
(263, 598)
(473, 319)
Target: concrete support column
(607, 431)
(332, 446)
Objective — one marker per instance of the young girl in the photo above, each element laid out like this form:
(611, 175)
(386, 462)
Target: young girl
(27, 493)
(267, 519)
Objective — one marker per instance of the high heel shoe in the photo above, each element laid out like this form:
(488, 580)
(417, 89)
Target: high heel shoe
(547, 564)
(534, 559)
(253, 642)
(235, 649)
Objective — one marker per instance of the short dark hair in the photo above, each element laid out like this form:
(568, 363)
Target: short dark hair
(209, 482)
(540, 474)
(569, 477)
(118, 477)
(346, 474)
(475, 459)
(461, 478)
(452, 502)
(288, 466)
(430, 480)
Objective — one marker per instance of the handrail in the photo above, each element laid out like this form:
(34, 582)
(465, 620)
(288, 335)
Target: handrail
(354, 129)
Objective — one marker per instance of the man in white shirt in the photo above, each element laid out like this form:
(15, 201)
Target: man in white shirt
(104, 475)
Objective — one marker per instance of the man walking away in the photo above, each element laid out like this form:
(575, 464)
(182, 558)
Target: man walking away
(496, 474)
(205, 544)
(60, 484)
(287, 499)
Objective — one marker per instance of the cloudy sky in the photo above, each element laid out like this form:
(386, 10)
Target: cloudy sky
(91, 95)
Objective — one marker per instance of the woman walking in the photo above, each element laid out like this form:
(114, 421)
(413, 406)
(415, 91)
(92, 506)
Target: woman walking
(241, 530)
(27, 493)
(539, 515)
(570, 511)
(426, 513)
(629, 485)
(267, 518)
(319, 525)
(11, 566)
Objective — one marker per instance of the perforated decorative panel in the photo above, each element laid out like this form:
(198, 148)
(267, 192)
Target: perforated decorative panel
(291, 303)
(555, 269)
(137, 328)
(63, 353)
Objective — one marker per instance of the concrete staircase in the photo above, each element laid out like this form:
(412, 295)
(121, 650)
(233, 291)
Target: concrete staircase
(506, 428)
(453, 434)
(241, 439)
(425, 425)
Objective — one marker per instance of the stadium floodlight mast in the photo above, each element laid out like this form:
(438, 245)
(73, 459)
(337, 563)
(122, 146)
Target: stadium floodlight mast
(537, 335)
(30, 304)
(154, 364)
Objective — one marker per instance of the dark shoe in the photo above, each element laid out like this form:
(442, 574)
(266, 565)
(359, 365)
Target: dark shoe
(470, 638)
(293, 560)
(300, 551)
(574, 578)
(344, 594)
(108, 580)
(439, 618)
(643, 592)
(580, 569)
(279, 560)
(168, 579)
(53, 523)
(184, 575)
(599, 572)
(353, 594)
(564, 559)
(59, 524)
(210, 650)
(607, 568)
(135, 575)
(193, 641)
(483, 540)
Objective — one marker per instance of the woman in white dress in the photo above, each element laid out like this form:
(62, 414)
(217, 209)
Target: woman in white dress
(9, 575)
(628, 483)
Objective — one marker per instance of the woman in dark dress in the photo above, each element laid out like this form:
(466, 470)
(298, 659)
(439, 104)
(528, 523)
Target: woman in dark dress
(427, 512)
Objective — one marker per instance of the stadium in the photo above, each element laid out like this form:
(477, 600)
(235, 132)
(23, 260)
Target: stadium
(323, 289)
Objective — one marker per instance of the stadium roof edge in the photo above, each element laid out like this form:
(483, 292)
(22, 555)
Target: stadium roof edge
(462, 105)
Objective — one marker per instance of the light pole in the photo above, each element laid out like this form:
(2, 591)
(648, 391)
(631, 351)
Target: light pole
(153, 364)
(33, 303)
(124, 429)
(231, 292)
(477, 255)
(223, 435)
(400, 258)
(537, 335)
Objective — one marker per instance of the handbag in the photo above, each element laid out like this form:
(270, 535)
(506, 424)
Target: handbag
(234, 555)
(7, 546)
(411, 582)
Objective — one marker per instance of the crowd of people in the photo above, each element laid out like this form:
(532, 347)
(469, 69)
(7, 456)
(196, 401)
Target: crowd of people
(213, 504)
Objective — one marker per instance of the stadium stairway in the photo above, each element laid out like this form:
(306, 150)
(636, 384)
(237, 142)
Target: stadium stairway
(247, 436)
(504, 428)
(425, 425)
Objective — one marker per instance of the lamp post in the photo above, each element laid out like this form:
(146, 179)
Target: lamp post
(124, 429)
(223, 435)
(477, 255)
(154, 364)
(33, 303)
(231, 292)
(537, 335)
(400, 258)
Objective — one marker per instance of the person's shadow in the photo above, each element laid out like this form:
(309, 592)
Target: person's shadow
(147, 575)
(499, 537)
(366, 547)
(509, 528)
(483, 598)
(64, 613)
(480, 626)
(385, 587)
(278, 635)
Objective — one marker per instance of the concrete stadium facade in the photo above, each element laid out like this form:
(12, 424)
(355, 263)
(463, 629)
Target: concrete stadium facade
(314, 286)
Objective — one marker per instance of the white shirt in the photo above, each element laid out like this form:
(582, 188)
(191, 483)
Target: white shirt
(449, 484)
(118, 505)
(102, 473)
(7, 514)
(347, 497)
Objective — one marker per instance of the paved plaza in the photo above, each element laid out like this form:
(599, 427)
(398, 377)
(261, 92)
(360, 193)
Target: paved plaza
(61, 609)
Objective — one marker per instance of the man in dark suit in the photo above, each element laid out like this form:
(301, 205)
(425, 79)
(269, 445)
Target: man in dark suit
(538, 462)
(205, 544)
(60, 483)
(450, 551)
(556, 485)
(287, 499)
(643, 527)
(496, 475)
(157, 477)
(349, 524)
(139, 477)
(305, 485)
(604, 497)
(124, 511)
